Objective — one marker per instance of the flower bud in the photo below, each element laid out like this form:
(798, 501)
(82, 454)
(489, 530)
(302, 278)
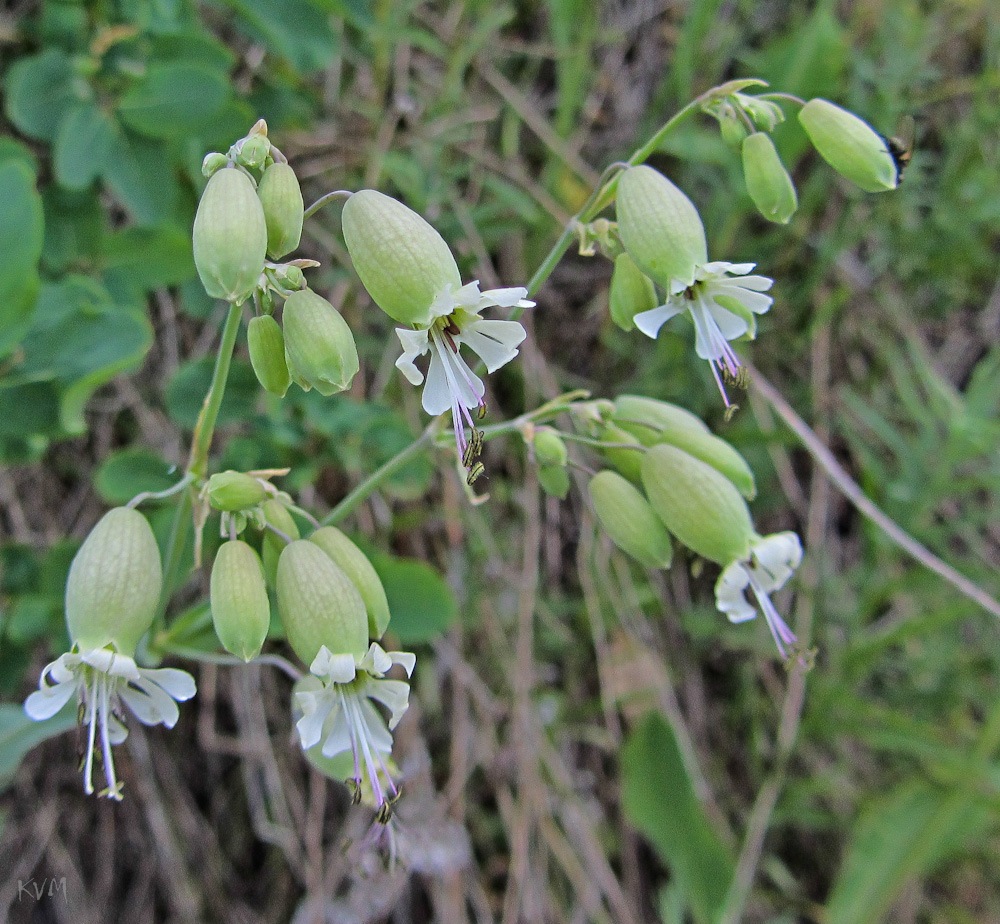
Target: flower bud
(659, 227)
(631, 292)
(653, 422)
(267, 354)
(629, 520)
(628, 462)
(213, 163)
(697, 504)
(733, 130)
(402, 261)
(319, 346)
(233, 491)
(767, 180)
(283, 208)
(240, 608)
(764, 113)
(230, 236)
(355, 564)
(114, 583)
(549, 447)
(318, 604)
(851, 146)
(272, 545)
(554, 480)
(254, 151)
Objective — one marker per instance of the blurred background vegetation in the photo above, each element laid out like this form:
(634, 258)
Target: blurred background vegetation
(588, 741)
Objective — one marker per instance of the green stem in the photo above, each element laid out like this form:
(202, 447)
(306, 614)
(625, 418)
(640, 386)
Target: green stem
(344, 194)
(205, 427)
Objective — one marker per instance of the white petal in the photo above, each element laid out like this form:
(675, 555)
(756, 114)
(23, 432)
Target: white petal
(117, 732)
(47, 701)
(730, 325)
(447, 301)
(179, 684)
(374, 730)
(650, 322)
(338, 738)
(730, 593)
(151, 704)
(450, 381)
(110, 662)
(375, 661)
(506, 298)
(495, 342)
(753, 301)
(405, 659)
(393, 694)
(774, 560)
(436, 398)
(718, 267)
(415, 343)
(710, 340)
(337, 668)
(315, 709)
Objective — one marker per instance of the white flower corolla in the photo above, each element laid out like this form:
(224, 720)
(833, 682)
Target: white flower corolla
(451, 384)
(771, 562)
(336, 701)
(722, 301)
(102, 680)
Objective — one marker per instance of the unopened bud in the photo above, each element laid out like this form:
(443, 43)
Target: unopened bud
(254, 151)
(549, 447)
(281, 198)
(850, 145)
(627, 462)
(629, 520)
(234, 491)
(631, 292)
(230, 236)
(355, 564)
(764, 113)
(767, 180)
(213, 163)
(402, 261)
(267, 354)
(697, 504)
(554, 480)
(659, 227)
(319, 604)
(114, 583)
(319, 346)
(272, 545)
(241, 612)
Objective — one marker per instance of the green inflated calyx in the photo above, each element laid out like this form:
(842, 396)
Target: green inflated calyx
(697, 504)
(230, 236)
(850, 145)
(276, 514)
(659, 227)
(114, 583)
(402, 261)
(629, 520)
(767, 180)
(241, 612)
(355, 564)
(653, 422)
(267, 354)
(319, 346)
(281, 199)
(631, 292)
(234, 491)
(319, 604)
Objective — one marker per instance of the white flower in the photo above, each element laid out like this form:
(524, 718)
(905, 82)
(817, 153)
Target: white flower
(772, 561)
(722, 309)
(102, 679)
(451, 384)
(337, 710)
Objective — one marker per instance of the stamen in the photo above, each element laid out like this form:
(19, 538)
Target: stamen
(91, 694)
(780, 632)
(114, 787)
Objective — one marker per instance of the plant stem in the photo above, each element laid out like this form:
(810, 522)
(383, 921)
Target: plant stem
(343, 194)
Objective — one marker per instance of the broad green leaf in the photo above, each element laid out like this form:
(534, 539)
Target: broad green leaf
(173, 99)
(39, 91)
(13, 150)
(292, 29)
(420, 601)
(150, 257)
(186, 391)
(660, 801)
(129, 472)
(21, 237)
(193, 46)
(900, 838)
(74, 226)
(83, 145)
(140, 176)
(19, 734)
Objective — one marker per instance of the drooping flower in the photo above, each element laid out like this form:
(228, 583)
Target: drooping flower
(102, 680)
(451, 385)
(772, 561)
(722, 301)
(337, 704)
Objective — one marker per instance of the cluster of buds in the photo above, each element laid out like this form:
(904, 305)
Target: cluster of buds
(249, 218)
(672, 477)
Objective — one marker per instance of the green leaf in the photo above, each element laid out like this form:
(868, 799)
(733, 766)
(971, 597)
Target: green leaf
(173, 99)
(420, 601)
(660, 801)
(292, 29)
(19, 734)
(898, 839)
(39, 91)
(150, 257)
(186, 391)
(129, 472)
(83, 145)
(21, 237)
(140, 177)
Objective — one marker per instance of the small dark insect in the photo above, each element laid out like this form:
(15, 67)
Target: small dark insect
(901, 146)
